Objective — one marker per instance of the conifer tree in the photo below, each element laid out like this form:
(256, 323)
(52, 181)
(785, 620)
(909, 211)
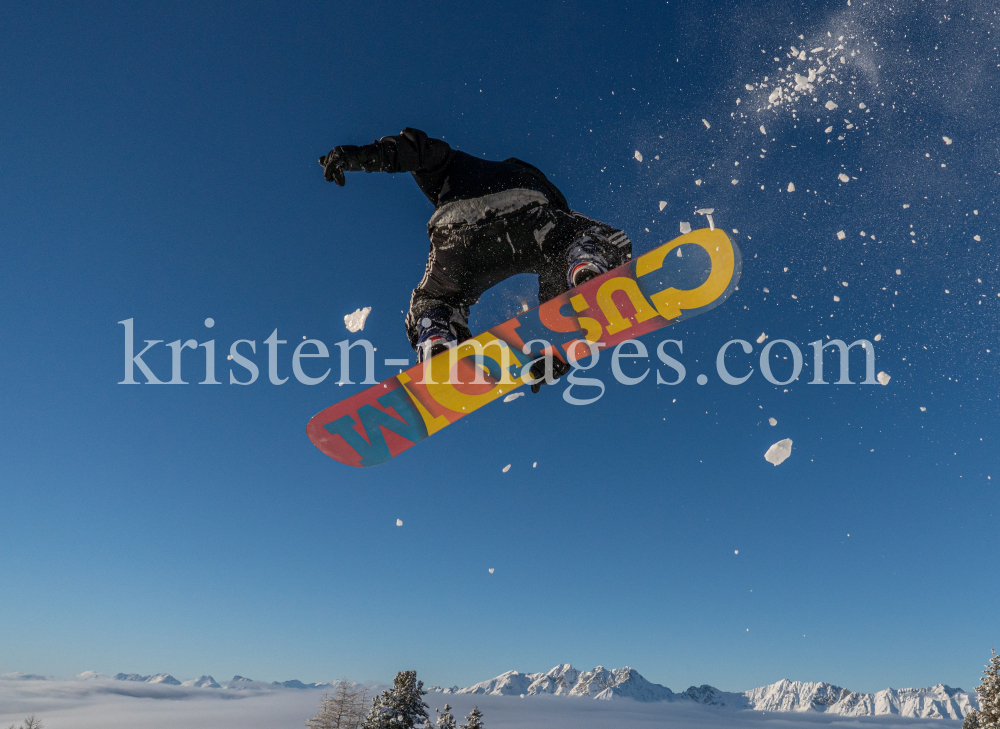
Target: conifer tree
(474, 720)
(989, 695)
(445, 720)
(401, 707)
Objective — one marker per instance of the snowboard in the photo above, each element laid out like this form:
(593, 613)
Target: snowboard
(686, 277)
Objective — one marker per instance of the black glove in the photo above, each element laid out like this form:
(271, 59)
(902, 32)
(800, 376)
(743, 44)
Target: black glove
(349, 158)
(537, 371)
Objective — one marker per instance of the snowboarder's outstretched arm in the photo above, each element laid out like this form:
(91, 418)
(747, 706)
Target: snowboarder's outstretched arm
(410, 151)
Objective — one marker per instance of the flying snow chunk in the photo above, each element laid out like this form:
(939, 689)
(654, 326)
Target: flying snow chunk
(638, 155)
(777, 453)
(513, 396)
(841, 235)
(836, 298)
(491, 570)
(976, 238)
(947, 140)
(762, 129)
(707, 125)
(898, 272)
(356, 322)
(830, 105)
(791, 187)
(663, 204)
(923, 409)
(761, 338)
(685, 227)
(506, 468)
(884, 378)
(828, 130)
(698, 183)
(843, 178)
(736, 182)
(772, 421)
(878, 337)
(399, 522)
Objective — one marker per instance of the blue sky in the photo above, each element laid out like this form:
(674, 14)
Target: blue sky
(159, 164)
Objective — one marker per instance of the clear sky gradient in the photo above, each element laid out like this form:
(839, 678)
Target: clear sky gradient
(158, 163)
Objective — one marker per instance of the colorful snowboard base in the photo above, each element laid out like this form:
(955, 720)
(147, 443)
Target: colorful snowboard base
(688, 276)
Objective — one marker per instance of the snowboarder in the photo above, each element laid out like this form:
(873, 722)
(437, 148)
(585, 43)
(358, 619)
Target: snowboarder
(492, 220)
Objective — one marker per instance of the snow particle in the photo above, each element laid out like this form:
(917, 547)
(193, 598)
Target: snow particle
(830, 105)
(841, 235)
(791, 187)
(491, 570)
(736, 551)
(762, 129)
(707, 125)
(976, 238)
(533, 465)
(399, 522)
(638, 155)
(778, 452)
(947, 140)
(761, 338)
(923, 409)
(843, 178)
(736, 182)
(663, 204)
(772, 421)
(898, 272)
(906, 205)
(356, 322)
(844, 283)
(836, 298)
(828, 130)
(506, 468)
(884, 378)
(698, 183)
(513, 396)
(878, 337)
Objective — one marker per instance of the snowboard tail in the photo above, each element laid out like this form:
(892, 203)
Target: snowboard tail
(688, 276)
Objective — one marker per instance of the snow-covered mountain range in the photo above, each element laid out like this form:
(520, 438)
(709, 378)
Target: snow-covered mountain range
(238, 682)
(935, 702)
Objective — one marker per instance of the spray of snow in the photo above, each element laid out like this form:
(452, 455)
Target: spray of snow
(356, 322)
(779, 452)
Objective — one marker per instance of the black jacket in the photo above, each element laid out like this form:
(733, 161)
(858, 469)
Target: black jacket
(445, 174)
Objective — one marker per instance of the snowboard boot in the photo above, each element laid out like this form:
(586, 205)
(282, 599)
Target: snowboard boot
(585, 262)
(434, 333)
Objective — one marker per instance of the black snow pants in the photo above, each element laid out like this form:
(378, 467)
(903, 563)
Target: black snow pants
(466, 259)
